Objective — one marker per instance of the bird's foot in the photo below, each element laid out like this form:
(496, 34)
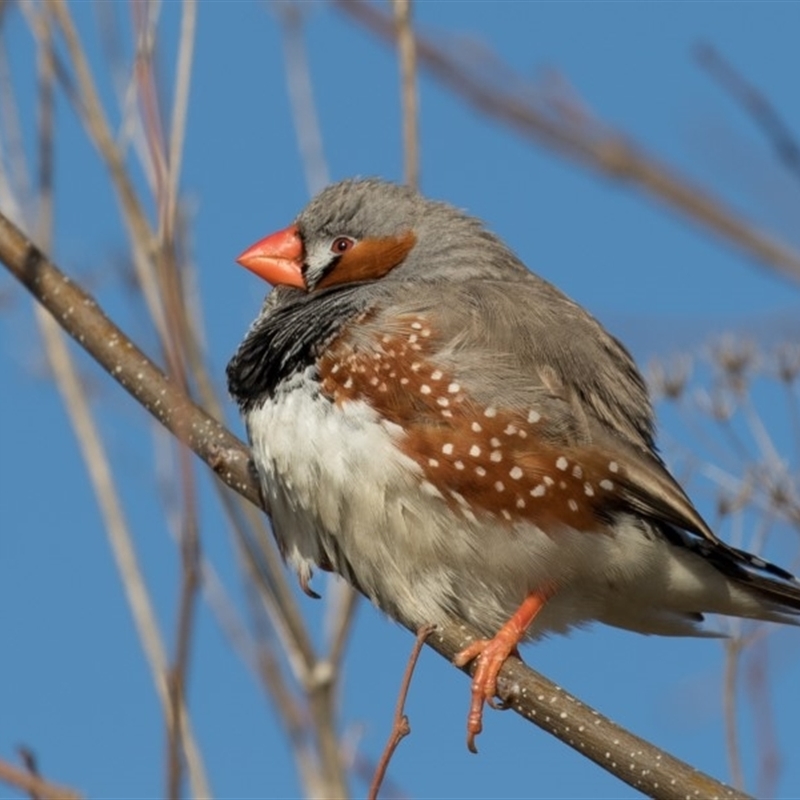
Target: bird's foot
(491, 654)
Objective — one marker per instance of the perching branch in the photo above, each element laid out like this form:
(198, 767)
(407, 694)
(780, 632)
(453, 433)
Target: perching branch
(631, 759)
(33, 784)
(582, 139)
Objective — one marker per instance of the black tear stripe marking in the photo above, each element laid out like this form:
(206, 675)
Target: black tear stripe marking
(286, 340)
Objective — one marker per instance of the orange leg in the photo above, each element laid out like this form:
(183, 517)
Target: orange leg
(492, 654)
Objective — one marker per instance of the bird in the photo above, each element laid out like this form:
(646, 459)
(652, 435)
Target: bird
(459, 440)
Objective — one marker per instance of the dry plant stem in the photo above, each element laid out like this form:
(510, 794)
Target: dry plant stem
(180, 106)
(291, 711)
(400, 726)
(89, 439)
(755, 103)
(630, 758)
(733, 655)
(770, 759)
(595, 146)
(91, 112)
(33, 784)
(301, 97)
(408, 89)
(190, 584)
(345, 603)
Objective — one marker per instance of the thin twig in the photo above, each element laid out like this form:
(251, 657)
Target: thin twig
(190, 584)
(407, 53)
(400, 725)
(180, 105)
(610, 153)
(33, 784)
(301, 96)
(341, 613)
(733, 655)
(755, 103)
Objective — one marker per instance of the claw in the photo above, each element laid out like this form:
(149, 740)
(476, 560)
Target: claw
(490, 655)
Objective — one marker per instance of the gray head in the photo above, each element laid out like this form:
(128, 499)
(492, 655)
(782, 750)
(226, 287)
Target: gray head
(359, 231)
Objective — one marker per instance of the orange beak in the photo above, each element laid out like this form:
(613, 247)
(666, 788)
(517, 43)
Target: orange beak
(278, 258)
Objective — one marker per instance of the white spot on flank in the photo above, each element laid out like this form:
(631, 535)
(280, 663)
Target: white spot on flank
(538, 491)
(403, 381)
(572, 504)
(459, 465)
(334, 369)
(490, 412)
(613, 466)
(476, 426)
(506, 514)
(474, 451)
(510, 430)
(577, 471)
(453, 388)
(480, 471)
(515, 473)
(436, 375)
(587, 488)
(548, 480)
(494, 442)
(607, 485)
(413, 338)
(496, 456)
(348, 384)
(534, 416)
(443, 401)
(415, 366)
(382, 387)
(447, 449)
(417, 326)
(562, 484)
(499, 486)
(432, 462)
(447, 413)
(425, 389)
(426, 332)
(520, 503)
(373, 381)
(562, 463)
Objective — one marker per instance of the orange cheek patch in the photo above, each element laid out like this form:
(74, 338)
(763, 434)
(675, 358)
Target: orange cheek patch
(369, 260)
(481, 459)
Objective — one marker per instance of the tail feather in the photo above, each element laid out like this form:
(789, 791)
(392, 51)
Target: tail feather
(777, 589)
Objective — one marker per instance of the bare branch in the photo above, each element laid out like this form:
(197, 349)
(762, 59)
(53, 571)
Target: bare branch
(594, 145)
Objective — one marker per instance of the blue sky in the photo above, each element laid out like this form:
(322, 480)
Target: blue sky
(663, 286)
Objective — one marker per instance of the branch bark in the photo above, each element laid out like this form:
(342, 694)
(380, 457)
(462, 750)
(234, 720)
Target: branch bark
(631, 759)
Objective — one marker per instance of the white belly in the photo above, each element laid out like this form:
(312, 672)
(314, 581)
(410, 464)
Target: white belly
(341, 491)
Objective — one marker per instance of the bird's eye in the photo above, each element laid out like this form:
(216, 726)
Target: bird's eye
(341, 245)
